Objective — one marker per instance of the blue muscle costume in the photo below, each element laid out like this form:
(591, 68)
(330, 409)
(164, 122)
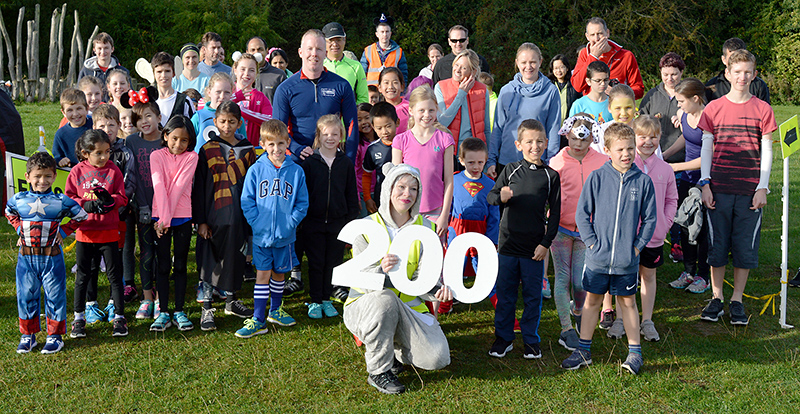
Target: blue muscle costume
(36, 217)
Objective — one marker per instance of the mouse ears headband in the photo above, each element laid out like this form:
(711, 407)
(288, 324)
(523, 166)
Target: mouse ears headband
(237, 55)
(581, 131)
(144, 95)
(384, 19)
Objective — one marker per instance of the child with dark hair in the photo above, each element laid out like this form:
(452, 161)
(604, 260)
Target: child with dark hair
(384, 123)
(366, 137)
(560, 71)
(391, 85)
(147, 118)
(216, 209)
(173, 170)
(97, 185)
(170, 102)
(35, 215)
(594, 103)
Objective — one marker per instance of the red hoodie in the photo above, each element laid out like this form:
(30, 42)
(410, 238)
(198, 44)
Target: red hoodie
(97, 228)
(621, 62)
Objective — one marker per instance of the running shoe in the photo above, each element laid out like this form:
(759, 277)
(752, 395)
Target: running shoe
(648, 331)
(712, 311)
(633, 363)
(698, 286)
(314, 310)
(238, 309)
(109, 310)
(684, 280)
(340, 294)
(78, 329)
(617, 330)
(607, 319)
(532, 351)
(293, 286)
(162, 323)
(94, 314)
(329, 310)
(500, 347)
(386, 383)
(676, 253)
(207, 320)
(120, 327)
(251, 328)
(578, 358)
(54, 344)
(547, 293)
(737, 314)
(145, 310)
(569, 340)
(130, 294)
(280, 317)
(26, 344)
(182, 321)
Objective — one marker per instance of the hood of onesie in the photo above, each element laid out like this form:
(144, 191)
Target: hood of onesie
(391, 173)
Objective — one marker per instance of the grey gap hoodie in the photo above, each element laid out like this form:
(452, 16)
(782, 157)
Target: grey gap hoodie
(610, 209)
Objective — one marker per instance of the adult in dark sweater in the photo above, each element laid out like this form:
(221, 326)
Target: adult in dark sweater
(660, 102)
(269, 77)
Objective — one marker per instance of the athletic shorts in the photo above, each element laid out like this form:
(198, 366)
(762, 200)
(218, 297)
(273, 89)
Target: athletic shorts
(602, 283)
(652, 257)
(733, 228)
(276, 259)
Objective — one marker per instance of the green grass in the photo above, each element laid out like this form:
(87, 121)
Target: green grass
(315, 366)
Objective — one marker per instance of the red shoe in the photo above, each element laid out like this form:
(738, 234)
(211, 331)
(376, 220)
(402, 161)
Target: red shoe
(676, 253)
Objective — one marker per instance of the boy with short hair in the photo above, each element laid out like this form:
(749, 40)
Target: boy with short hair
(75, 109)
(102, 61)
(93, 89)
(274, 202)
(35, 215)
(594, 103)
(384, 123)
(212, 52)
(614, 198)
(169, 101)
(525, 188)
(734, 175)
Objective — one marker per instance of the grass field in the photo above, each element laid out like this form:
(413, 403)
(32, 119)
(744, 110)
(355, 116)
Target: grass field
(315, 366)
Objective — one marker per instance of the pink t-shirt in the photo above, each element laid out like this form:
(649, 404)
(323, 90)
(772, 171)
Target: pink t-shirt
(402, 116)
(429, 159)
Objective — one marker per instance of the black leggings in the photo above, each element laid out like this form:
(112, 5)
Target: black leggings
(695, 257)
(179, 236)
(85, 255)
(325, 251)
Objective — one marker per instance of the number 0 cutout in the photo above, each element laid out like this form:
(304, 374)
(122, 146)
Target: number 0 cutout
(429, 267)
(351, 273)
(485, 275)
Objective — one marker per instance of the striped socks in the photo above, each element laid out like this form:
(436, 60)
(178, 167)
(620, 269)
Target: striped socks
(585, 344)
(636, 349)
(276, 294)
(260, 298)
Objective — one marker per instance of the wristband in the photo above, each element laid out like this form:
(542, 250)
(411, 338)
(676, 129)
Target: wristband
(703, 182)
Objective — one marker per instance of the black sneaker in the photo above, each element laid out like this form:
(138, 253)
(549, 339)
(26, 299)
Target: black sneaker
(738, 317)
(340, 294)
(293, 286)
(78, 329)
(532, 351)
(207, 320)
(713, 311)
(397, 367)
(238, 309)
(249, 272)
(796, 281)
(120, 327)
(500, 347)
(386, 383)
(130, 294)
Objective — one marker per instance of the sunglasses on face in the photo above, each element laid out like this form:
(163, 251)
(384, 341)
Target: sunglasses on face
(462, 40)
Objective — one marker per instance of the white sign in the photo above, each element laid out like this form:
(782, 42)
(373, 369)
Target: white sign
(351, 272)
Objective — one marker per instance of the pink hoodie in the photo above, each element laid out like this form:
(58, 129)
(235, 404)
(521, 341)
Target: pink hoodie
(666, 194)
(172, 184)
(255, 111)
(573, 174)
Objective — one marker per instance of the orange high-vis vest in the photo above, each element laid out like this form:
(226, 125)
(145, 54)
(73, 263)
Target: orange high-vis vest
(375, 65)
(476, 102)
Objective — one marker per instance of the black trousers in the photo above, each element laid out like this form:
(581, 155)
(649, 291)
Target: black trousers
(180, 237)
(86, 254)
(325, 251)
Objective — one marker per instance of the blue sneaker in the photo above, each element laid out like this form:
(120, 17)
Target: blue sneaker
(329, 310)
(54, 344)
(280, 317)
(200, 295)
(161, 323)
(94, 314)
(156, 309)
(182, 321)
(109, 310)
(251, 328)
(145, 310)
(26, 344)
(314, 310)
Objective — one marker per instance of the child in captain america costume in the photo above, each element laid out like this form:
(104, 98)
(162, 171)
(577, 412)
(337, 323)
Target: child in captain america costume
(36, 215)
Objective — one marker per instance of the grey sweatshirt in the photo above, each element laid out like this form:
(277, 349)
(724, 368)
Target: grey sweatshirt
(611, 207)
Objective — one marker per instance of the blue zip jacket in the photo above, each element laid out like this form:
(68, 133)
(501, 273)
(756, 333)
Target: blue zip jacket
(299, 103)
(609, 211)
(517, 102)
(274, 201)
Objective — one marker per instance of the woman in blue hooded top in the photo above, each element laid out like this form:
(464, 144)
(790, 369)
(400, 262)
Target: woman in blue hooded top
(530, 95)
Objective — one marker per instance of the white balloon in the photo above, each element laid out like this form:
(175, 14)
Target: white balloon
(351, 273)
(485, 275)
(429, 267)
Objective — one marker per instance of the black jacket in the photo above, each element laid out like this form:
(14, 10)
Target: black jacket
(332, 194)
(522, 227)
(718, 87)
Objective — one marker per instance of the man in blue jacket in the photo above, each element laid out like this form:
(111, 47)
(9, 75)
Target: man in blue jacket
(310, 93)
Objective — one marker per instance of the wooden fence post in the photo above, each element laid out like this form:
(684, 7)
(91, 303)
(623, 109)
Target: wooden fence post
(51, 61)
(73, 51)
(89, 43)
(35, 75)
(18, 86)
(58, 81)
(9, 48)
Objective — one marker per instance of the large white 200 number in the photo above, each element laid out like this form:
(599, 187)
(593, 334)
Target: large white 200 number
(351, 272)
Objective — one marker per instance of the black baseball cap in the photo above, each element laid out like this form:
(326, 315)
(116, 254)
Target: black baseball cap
(332, 30)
